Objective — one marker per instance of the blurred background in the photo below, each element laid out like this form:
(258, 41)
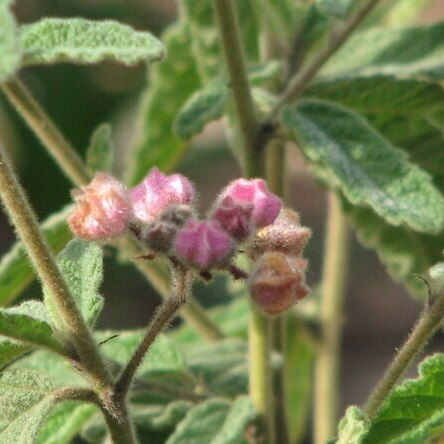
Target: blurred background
(378, 313)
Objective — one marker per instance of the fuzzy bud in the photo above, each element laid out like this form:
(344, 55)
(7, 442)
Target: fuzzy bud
(157, 192)
(245, 205)
(277, 282)
(103, 209)
(203, 244)
(160, 234)
(284, 235)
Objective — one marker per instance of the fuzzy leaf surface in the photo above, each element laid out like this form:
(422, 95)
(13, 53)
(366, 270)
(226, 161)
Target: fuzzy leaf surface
(81, 264)
(414, 411)
(163, 357)
(10, 54)
(65, 422)
(365, 166)
(25, 402)
(99, 155)
(216, 421)
(403, 52)
(29, 323)
(352, 427)
(15, 271)
(380, 94)
(84, 41)
(170, 85)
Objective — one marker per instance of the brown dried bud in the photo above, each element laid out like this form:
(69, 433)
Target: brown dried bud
(277, 282)
(284, 235)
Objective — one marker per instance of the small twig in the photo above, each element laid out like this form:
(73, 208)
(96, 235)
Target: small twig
(108, 339)
(429, 321)
(299, 81)
(168, 309)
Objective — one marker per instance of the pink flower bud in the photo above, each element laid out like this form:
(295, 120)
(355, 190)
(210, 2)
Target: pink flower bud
(103, 209)
(157, 191)
(245, 204)
(277, 282)
(203, 244)
(285, 235)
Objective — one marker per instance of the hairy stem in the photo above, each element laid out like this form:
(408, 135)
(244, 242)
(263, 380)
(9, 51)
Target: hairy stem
(181, 282)
(428, 323)
(120, 426)
(74, 168)
(299, 81)
(229, 34)
(23, 218)
(326, 378)
(193, 312)
(45, 130)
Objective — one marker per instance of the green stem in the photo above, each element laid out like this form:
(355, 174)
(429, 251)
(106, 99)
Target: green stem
(300, 80)
(326, 379)
(74, 168)
(260, 378)
(259, 330)
(229, 34)
(26, 224)
(275, 175)
(120, 426)
(45, 130)
(428, 323)
(181, 282)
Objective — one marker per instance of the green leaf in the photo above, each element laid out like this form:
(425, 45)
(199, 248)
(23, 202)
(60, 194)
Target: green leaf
(171, 83)
(15, 271)
(352, 427)
(215, 421)
(51, 365)
(163, 357)
(335, 8)
(85, 41)
(380, 94)
(203, 106)
(414, 411)
(99, 156)
(81, 265)
(365, 166)
(25, 402)
(65, 422)
(408, 52)
(405, 253)
(29, 323)
(223, 366)
(10, 54)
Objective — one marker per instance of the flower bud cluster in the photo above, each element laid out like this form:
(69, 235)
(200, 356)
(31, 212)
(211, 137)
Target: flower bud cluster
(277, 280)
(161, 212)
